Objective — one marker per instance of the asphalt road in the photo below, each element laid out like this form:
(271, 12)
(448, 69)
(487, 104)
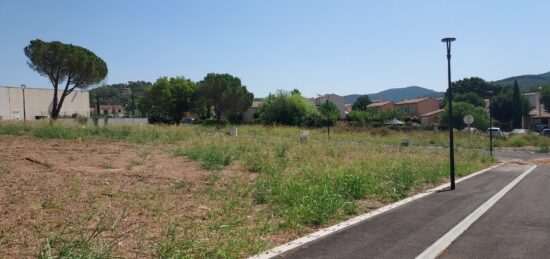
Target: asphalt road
(505, 155)
(517, 226)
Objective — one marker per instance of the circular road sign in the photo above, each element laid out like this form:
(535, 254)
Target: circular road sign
(468, 119)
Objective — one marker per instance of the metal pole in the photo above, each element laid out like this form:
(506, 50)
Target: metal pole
(490, 126)
(540, 113)
(451, 126)
(133, 104)
(24, 106)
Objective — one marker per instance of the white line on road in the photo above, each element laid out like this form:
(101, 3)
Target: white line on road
(440, 245)
(353, 221)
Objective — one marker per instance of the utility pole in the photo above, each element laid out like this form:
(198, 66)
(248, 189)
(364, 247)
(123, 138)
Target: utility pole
(540, 110)
(24, 106)
(451, 126)
(133, 103)
(490, 123)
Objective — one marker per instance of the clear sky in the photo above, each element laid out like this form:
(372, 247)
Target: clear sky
(340, 47)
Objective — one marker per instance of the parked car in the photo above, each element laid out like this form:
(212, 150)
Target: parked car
(496, 132)
(541, 127)
(188, 121)
(545, 132)
(518, 132)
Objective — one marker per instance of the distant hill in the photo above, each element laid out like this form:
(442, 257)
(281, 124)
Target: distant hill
(397, 94)
(527, 82)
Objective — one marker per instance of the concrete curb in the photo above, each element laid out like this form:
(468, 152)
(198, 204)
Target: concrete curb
(355, 220)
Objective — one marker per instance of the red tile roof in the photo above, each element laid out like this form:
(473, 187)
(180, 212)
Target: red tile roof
(415, 100)
(432, 113)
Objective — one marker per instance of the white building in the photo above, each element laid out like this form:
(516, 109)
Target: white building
(38, 103)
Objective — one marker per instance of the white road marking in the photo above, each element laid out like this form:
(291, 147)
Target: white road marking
(440, 245)
(338, 227)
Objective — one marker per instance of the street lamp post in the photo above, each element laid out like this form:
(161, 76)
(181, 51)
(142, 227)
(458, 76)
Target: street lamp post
(490, 123)
(451, 127)
(133, 104)
(540, 105)
(24, 106)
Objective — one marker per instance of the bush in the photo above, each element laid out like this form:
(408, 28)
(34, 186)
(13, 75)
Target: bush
(517, 141)
(313, 119)
(158, 115)
(212, 122)
(543, 148)
(287, 109)
(360, 117)
(235, 118)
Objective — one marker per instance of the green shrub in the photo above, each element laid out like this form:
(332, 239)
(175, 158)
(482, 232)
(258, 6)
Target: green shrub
(352, 185)
(398, 181)
(517, 141)
(212, 122)
(543, 148)
(158, 115)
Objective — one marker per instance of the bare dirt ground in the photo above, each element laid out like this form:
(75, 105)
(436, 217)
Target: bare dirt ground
(541, 161)
(67, 189)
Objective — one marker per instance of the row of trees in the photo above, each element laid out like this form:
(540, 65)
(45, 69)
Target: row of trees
(165, 101)
(291, 108)
(362, 115)
(125, 94)
(69, 67)
(169, 99)
(509, 106)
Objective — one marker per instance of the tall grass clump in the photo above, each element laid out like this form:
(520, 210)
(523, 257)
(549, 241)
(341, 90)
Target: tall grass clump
(82, 242)
(544, 148)
(173, 245)
(56, 131)
(309, 198)
(212, 156)
(9, 128)
(517, 141)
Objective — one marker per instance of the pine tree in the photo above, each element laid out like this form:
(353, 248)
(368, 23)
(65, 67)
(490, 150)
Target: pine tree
(517, 104)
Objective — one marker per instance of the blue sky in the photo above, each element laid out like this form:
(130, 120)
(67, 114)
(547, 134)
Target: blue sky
(318, 46)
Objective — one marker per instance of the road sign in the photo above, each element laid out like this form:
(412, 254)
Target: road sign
(468, 119)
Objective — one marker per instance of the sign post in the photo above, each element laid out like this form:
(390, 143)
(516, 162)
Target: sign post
(468, 119)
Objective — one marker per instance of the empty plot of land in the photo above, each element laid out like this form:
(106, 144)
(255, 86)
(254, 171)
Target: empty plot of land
(193, 191)
(53, 190)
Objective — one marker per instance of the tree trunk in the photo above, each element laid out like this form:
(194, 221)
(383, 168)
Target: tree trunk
(328, 130)
(57, 109)
(218, 118)
(54, 112)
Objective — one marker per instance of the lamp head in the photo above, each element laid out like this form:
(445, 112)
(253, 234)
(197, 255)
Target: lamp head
(448, 40)
(23, 86)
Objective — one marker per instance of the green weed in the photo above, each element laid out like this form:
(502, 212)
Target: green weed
(211, 156)
(181, 185)
(4, 169)
(106, 165)
(544, 148)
